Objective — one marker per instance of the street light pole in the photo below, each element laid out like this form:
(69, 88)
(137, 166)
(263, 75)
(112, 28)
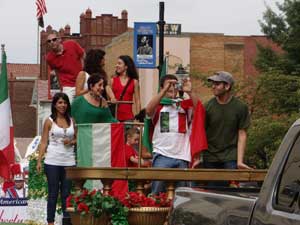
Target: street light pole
(161, 24)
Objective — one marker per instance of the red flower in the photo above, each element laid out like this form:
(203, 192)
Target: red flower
(133, 199)
(69, 201)
(82, 207)
(93, 192)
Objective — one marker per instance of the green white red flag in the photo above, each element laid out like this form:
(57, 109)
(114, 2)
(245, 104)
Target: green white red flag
(6, 127)
(102, 145)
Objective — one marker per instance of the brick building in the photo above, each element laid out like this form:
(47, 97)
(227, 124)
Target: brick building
(22, 79)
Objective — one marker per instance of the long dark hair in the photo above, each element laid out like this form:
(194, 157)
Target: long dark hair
(131, 69)
(67, 115)
(92, 62)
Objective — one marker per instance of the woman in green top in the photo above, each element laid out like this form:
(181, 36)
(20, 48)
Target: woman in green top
(92, 107)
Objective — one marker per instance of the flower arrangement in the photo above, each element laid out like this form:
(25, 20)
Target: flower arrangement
(145, 210)
(133, 199)
(95, 203)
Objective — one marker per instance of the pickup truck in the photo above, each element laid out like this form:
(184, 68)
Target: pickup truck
(276, 203)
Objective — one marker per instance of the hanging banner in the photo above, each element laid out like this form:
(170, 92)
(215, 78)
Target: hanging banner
(144, 49)
(13, 210)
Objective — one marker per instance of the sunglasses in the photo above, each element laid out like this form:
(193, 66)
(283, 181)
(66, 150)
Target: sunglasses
(52, 40)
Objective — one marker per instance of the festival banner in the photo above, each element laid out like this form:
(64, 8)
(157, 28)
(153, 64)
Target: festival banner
(144, 49)
(13, 210)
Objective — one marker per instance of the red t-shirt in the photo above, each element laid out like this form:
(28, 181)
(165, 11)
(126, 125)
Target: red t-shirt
(68, 64)
(124, 110)
(129, 151)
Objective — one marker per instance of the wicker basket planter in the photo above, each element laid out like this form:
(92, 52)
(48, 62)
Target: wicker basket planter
(147, 215)
(88, 219)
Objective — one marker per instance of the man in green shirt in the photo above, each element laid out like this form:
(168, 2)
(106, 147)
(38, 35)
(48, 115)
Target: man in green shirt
(227, 120)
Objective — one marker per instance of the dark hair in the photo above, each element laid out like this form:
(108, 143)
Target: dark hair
(95, 78)
(92, 62)
(131, 69)
(67, 115)
(166, 77)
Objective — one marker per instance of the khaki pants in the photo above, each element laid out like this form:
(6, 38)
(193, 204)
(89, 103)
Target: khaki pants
(70, 91)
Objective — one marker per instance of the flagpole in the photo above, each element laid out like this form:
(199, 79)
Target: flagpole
(38, 41)
(2, 49)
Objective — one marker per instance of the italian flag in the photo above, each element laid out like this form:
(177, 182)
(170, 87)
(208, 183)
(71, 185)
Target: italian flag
(102, 145)
(6, 127)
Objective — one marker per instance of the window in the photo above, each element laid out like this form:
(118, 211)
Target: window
(289, 185)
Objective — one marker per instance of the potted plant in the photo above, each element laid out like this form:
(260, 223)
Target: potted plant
(145, 210)
(94, 208)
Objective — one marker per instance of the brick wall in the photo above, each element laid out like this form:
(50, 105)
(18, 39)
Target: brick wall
(207, 52)
(24, 116)
(121, 45)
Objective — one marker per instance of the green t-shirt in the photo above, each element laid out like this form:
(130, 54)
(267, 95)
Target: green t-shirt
(84, 112)
(222, 124)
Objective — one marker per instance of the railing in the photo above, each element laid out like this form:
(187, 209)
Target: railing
(117, 103)
(141, 175)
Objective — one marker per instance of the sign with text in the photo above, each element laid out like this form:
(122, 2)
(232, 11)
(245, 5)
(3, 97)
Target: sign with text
(13, 210)
(171, 29)
(144, 49)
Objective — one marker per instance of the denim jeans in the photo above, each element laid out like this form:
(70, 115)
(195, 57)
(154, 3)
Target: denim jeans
(220, 165)
(160, 161)
(56, 176)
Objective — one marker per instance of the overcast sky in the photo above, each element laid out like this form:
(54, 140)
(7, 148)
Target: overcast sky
(18, 24)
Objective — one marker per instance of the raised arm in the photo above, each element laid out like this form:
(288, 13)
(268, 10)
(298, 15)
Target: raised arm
(154, 102)
(187, 87)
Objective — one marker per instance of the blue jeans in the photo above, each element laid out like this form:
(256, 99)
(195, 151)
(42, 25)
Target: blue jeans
(56, 176)
(220, 165)
(160, 161)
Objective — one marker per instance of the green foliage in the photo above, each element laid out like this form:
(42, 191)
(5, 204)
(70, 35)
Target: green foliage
(284, 29)
(278, 94)
(264, 137)
(267, 60)
(37, 182)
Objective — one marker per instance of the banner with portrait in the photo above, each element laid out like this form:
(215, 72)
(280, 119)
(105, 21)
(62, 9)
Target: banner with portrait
(144, 49)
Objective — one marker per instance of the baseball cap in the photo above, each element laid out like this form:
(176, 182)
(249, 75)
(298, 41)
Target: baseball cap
(222, 76)
(18, 177)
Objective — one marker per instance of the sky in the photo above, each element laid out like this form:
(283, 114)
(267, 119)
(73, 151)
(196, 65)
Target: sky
(18, 23)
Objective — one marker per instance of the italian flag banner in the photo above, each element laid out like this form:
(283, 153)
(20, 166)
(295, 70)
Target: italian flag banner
(6, 128)
(102, 145)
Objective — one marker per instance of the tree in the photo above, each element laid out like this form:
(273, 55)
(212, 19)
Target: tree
(284, 29)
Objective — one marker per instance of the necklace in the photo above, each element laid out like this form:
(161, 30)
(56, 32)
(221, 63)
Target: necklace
(94, 96)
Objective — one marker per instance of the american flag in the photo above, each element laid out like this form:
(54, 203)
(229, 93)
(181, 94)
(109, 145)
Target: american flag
(41, 10)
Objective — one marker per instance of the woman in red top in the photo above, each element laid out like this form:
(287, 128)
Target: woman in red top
(126, 72)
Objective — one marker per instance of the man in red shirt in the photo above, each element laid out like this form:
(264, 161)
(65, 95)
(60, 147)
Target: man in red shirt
(66, 59)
